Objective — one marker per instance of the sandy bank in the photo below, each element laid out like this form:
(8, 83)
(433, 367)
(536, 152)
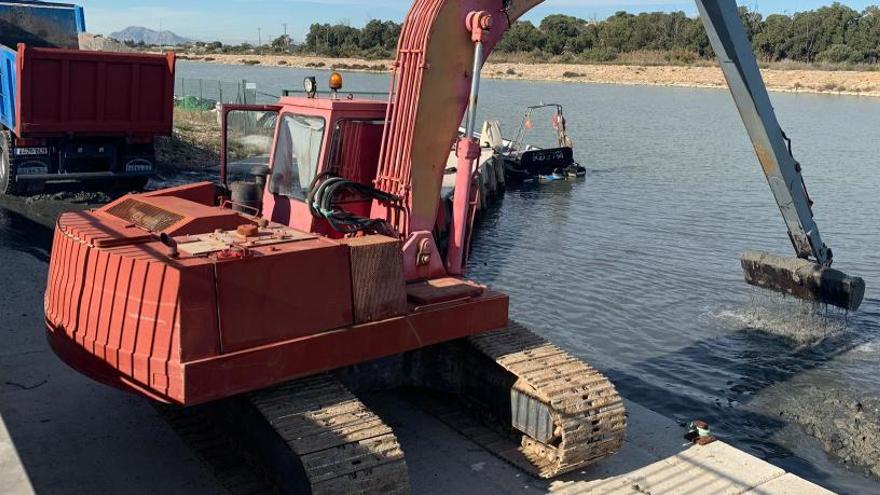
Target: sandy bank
(865, 83)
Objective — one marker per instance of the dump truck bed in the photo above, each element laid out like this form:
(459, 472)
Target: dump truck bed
(46, 92)
(41, 24)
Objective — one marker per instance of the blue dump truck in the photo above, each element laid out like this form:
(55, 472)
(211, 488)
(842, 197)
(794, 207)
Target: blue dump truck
(69, 115)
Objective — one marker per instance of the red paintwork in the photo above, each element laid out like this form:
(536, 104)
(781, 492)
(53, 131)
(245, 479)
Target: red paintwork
(295, 213)
(190, 329)
(417, 97)
(193, 329)
(94, 93)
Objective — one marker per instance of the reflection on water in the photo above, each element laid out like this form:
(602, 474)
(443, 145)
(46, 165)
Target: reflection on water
(636, 268)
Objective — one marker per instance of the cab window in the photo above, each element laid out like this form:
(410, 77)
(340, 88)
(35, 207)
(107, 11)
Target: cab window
(296, 156)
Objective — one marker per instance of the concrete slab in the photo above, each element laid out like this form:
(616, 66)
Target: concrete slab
(714, 469)
(611, 486)
(441, 461)
(789, 484)
(62, 433)
(13, 477)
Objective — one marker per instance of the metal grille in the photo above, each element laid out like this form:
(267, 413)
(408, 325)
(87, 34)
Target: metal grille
(377, 278)
(144, 215)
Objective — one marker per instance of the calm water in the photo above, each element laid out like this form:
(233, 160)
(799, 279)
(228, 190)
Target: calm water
(636, 270)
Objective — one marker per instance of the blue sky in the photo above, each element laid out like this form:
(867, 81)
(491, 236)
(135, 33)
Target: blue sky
(239, 20)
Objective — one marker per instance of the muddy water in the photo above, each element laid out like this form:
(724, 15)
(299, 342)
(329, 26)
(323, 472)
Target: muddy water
(635, 269)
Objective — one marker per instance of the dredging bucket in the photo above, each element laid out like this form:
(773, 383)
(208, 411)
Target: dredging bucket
(803, 279)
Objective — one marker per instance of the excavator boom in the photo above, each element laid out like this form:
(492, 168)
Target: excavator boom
(436, 82)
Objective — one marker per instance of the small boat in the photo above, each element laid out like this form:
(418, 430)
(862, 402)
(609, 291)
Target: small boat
(527, 163)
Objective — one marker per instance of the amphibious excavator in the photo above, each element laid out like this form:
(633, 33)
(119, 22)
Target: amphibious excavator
(350, 274)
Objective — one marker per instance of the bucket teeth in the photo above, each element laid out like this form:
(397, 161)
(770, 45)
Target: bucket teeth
(804, 279)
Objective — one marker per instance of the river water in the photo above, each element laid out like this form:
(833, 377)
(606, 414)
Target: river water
(635, 268)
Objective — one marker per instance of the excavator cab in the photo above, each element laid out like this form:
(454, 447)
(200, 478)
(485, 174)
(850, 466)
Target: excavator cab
(314, 137)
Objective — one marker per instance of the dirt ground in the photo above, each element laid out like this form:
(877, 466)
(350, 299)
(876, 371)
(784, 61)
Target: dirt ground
(848, 82)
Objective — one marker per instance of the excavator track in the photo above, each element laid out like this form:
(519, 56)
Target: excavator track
(531, 404)
(584, 420)
(318, 438)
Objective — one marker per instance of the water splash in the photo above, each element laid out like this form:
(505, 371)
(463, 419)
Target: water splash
(802, 322)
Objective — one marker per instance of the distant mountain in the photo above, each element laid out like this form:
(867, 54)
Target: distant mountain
(96, 42)
(138, 34)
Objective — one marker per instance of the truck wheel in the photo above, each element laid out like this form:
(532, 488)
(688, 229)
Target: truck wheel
(7, 169)
(133, 185)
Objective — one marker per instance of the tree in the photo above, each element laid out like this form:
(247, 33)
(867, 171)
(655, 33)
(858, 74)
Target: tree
(561, 33)
(522, 37)
(834, 34)
(281, 43)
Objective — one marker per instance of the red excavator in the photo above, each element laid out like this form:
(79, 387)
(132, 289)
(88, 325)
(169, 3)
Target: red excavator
(350, 269)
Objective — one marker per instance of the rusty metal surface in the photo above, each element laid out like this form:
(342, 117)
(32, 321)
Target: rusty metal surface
(341, 446)
(588, 416)
(803, 279)
(377, 281)
(531, 416)
(442, 290)
(144, 215)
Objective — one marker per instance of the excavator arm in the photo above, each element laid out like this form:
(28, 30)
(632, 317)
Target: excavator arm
(783, 172)
(810, 275)
(442, 48)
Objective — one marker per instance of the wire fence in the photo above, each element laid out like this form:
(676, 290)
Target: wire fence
(205, 94)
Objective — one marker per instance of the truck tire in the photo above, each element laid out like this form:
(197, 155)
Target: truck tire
(8, 184)
(133, 185)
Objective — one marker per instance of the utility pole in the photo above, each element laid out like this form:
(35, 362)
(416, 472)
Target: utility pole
(286, 38)
(259, 41)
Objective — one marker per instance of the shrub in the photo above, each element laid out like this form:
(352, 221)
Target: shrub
(599, 55)
(838, 54)
(681, 57)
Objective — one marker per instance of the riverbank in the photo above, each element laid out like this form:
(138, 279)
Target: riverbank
(800, 80)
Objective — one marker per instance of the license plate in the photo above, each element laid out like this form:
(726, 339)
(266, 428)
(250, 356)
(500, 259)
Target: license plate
(31, 151)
